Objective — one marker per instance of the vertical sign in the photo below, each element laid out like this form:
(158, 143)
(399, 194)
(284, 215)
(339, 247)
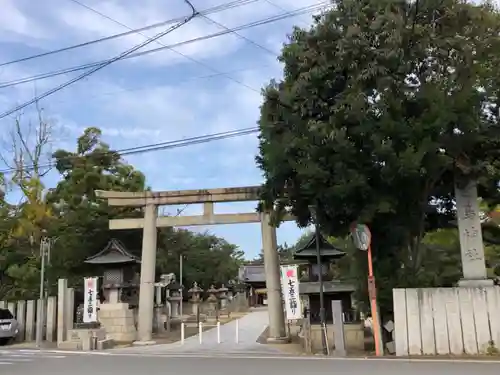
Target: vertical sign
(469, 226)
(290, 289)
(90, 300)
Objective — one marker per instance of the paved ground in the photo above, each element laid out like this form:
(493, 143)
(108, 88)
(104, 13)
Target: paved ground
(158, 365)
(249, 328)
(14, 357)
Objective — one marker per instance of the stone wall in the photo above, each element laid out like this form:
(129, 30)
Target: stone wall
(444, 321)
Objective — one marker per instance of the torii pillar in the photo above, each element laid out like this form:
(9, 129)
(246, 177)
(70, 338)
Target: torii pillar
(148, 268)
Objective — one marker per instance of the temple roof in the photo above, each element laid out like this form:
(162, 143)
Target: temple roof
(114, 253)
(327, 250)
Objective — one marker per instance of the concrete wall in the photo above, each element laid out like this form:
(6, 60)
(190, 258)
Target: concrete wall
(26, 313)
(444, 321)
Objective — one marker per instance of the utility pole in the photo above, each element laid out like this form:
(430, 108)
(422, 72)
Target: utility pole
(321, 290)
(45, 245)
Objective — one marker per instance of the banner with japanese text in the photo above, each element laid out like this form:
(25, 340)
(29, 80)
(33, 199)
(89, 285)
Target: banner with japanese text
(290, 291)
(90, 300)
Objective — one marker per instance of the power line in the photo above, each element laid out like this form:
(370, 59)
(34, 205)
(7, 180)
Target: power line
(153, 147)
(163, 45)
(103, 65)
(212, 10)
(272, 19)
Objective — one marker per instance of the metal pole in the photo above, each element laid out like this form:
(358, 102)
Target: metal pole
(182, 287)
(321, 292)
(218, 332)
(237, 332)
(372, 292)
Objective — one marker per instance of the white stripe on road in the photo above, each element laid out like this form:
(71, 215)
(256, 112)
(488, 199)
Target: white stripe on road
(6, 363)
(61, 351)
(42, 355)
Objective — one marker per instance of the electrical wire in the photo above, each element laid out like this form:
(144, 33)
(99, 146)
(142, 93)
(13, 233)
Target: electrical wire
(272, 19)
(152, 147)
(193, 140)
(192, 59)
(103, 65)
(215, 9)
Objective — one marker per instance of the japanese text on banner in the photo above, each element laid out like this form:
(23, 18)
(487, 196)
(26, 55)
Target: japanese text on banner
(90, 300)
(290, 290)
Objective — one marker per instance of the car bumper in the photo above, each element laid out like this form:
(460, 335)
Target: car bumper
(8, 333)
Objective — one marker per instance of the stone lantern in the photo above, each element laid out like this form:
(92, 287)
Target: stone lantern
(222, 295)
(119, 288)
(195, 299)
(212, 300)
(174, 298)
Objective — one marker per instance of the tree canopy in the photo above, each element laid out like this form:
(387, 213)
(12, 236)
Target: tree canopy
(383, 107)
(72, 215)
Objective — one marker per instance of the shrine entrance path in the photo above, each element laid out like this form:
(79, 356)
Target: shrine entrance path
(250, 327)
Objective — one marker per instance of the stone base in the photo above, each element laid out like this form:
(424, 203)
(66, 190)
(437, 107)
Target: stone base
(278, 340)
(118, 321)
(471, 283)
(70, 345)
(144, 343)
(105, 344)
(339, 353)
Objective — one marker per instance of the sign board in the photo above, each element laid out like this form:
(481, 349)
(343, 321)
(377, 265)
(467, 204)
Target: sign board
(361, 236)
(90, 300)
(290, 290)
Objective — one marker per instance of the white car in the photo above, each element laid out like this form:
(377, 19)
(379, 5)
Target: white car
(8, 326)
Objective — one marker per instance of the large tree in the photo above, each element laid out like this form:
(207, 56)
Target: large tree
(383, 107)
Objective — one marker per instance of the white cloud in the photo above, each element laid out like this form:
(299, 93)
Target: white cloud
(15, 24)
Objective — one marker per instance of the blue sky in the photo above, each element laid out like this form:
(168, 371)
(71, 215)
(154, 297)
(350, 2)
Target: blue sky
(157, 97)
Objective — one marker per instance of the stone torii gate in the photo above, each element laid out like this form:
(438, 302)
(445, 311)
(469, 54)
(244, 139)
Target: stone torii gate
(151, 200)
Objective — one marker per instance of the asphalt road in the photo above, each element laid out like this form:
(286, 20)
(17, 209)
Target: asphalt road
(153, 365)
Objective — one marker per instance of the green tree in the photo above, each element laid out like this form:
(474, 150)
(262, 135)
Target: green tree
(82, 225)
(207, 259)
(384, 106)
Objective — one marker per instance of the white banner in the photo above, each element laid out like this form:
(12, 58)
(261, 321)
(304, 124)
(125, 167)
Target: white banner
(290, 290)
(90, 300)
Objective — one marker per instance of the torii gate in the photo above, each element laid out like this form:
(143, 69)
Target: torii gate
(151, 200)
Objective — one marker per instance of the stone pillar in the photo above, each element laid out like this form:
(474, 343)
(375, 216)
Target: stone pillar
(148, 264)
(51, 319)
(471, 238)
(40, 319)
(159, 325)
(62, 285)
(30, 320)
(21, 319)
(277, 330)
(70, 308)
(113, 295)
(11, 306)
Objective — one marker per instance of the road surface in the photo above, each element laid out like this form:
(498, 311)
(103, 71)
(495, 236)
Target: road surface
(94, 364)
